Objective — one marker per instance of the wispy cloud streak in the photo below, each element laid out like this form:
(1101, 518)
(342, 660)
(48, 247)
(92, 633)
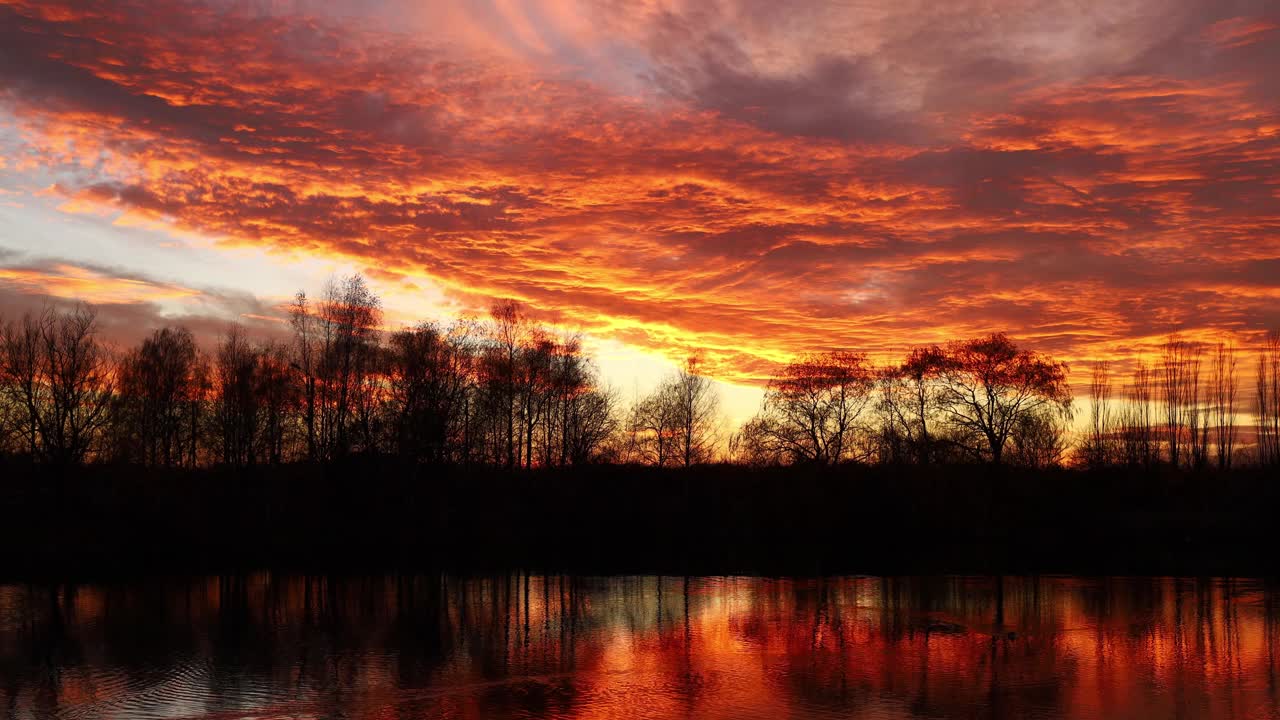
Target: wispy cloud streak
(726, 177)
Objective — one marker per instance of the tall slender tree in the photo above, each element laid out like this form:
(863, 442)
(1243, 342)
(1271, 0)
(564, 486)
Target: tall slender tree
(1226, 385)
(1268, 400)
(237, 399)
(1097, 449)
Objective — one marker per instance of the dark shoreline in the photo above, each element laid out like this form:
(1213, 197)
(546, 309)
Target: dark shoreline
(378, 516)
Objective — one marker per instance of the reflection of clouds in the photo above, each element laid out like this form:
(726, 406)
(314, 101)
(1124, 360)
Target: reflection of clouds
(720, 176)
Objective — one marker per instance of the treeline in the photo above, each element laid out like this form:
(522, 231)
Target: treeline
(504, 392)
(501, 393)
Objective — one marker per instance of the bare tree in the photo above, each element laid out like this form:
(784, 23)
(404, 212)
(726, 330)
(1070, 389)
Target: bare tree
(278, 396)
(429, 375)
(590, 420)
(989, 386)
(337, 353)
(910, 399)
(157, 383)
(677, 422)
(653, 426)
(56, 371)
(350, 313)
(11, 414)
(1138, 419)
(1225, 387)
(1179, 370)
(812, 409)
(581, 416)
(1039, 439)
(697, 413)
(535, 387)
(1197, 414)
(306, 362)
(236, 398)
(1097, 448)
(510, 328)
(1268, 400)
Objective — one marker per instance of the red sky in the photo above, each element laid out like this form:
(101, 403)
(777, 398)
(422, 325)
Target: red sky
(750, 178)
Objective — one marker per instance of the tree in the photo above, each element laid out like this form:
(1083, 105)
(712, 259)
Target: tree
(157, 383)
(653, 426)
(1226, 384)
(11, 439)
(337, 353)
(1268, 400)
(303, 322)
(1138, 419)
(697, 408)
(1098, 444)
(54, 369)
(677, 422)
(237, 398)
(910, 399)
(535, 386)
(590, 420)
(1176, 395)
(1198, 416)
(580, 415)
(1039, 439)
(429, 375)
(278, 396)
(813, 407)
(989, 386)
(509, 330)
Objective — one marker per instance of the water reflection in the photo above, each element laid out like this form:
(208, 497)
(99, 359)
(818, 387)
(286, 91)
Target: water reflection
(639, 647)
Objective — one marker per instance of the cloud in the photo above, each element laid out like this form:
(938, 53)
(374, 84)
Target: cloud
(722, 176)
(130, 305)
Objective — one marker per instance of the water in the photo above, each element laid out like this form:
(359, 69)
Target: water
(514, 646)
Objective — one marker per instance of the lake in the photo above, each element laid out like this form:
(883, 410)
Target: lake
(519, 646)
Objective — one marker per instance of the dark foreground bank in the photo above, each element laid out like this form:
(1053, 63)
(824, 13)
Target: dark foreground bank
(716, 519)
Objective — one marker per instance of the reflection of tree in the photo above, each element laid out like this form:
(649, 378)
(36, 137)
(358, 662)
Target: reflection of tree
(532, 646)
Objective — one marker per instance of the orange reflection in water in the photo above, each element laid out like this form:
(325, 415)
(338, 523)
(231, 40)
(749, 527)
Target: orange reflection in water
(266, 646)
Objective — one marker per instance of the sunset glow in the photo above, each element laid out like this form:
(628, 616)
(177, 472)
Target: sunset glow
(748, 180)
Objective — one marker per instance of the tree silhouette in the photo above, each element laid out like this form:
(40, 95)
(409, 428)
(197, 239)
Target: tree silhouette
(910, 399)
(1268, 400)
(697, 408)
(306, 363)
(509, 332)
(1225, 387)
(278, 398)
(507, 392)
(812, 409)
(1097, 448)
(237, 398)
(429, 376)
(337, 352)
(157, 383)
(989, 387)
(1176, 395)
(676, 423)
(54, 369)
(1138, 419)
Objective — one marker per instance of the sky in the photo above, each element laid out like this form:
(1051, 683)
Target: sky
(746, 180)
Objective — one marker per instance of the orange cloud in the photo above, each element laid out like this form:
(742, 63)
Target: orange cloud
(754, 200)
(82, 284)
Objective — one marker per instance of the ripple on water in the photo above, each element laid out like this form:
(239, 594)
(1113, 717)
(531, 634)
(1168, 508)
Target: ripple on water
(713, 648)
